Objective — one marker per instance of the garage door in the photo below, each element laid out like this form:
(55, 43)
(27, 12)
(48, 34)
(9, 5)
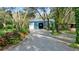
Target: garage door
(31, 26)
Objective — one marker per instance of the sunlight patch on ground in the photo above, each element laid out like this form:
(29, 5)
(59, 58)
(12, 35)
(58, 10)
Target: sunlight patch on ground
(38, 35)
(41, 36)
(28, 47)
(35, 48)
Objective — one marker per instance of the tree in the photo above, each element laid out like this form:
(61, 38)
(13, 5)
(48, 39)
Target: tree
(42, 11)
(63, 16)
(77, 24)
(57, 16)
(3, 17)
(20, 17)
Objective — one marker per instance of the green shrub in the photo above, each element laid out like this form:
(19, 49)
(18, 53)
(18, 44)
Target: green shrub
(12, 37)
(74, 45)
(52, 28)
(2, 32)
(1, 25)
(9, 22)
(13, 41)
(9, 30)
(9, 26)
(24, 30)
(55, 33)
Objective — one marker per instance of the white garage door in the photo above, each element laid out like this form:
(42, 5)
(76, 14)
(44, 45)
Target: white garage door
(31, 26)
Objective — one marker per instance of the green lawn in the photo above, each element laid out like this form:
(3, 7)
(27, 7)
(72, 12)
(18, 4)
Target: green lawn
(69, 32)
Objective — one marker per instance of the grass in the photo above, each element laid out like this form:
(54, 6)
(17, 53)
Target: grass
(69, 32)
(55, 33)
(74, 45)
(65, 31)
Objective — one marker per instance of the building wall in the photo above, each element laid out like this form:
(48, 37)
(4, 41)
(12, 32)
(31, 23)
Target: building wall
(35, 24)
(31, 26)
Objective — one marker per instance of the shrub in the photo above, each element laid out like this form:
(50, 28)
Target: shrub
(13, 40)
(2, 32)
(8, 35)
(74, 45)
(9, 26)
(12, 37)
(1, 25)
(9, 22)
(23, 30)
(11, 34)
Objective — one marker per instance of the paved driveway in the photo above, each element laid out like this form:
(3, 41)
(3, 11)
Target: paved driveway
(41, 40)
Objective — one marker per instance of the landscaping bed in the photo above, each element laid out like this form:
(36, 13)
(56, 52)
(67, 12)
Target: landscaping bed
(11, 38)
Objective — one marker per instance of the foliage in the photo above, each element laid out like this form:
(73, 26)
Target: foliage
(12, 18)
(63, 15)
(77, 24)
(9, 26)
(55, 33)
(52, 27)
(2, 32)
(11, 23)
(13, 40)
(12, 37)
(1, 25)
(74, 45)
(69, 32)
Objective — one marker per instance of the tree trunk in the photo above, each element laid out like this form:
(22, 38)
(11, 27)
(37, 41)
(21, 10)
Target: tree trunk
(56, 26)
(41, 17)
(48, 24)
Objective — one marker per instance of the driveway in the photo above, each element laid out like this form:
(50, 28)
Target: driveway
(41, 40)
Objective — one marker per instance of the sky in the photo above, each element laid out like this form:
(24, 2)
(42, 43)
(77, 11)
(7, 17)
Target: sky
(21, 9)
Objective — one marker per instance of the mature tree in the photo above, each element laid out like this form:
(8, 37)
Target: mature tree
(42, 11)
(3, 17)
(57, 12)
(20, 16)
(63, 16)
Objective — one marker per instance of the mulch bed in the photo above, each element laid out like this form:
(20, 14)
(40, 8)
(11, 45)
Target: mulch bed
(12, 46)
(9, 35)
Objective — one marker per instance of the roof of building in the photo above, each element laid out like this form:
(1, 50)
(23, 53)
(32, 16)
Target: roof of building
(35, 20)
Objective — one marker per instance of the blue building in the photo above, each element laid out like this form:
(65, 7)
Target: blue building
(39, 24)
